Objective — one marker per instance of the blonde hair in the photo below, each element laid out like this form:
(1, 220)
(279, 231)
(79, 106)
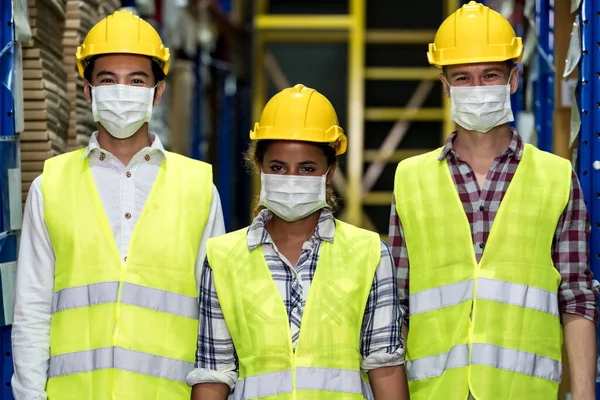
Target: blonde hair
(253, 158)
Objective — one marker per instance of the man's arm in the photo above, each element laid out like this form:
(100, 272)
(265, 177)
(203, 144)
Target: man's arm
(215, 372)
(400, 256)
(33, 302)
(577, 294)
(580, 340)
(215, 226)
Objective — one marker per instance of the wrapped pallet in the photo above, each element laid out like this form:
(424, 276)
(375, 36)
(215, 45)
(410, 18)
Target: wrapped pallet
(46, 109)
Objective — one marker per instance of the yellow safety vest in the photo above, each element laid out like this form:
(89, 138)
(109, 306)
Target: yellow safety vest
(124, 329)
(510, 348)
(326, 362)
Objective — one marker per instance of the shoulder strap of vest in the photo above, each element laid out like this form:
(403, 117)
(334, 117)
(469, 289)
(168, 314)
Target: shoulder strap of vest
(418, 161)
(186, 164)
(223, 246)
(352, 232)
(57, 166)
(351, 237)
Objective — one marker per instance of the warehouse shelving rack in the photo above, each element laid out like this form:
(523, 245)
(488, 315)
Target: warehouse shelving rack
(10, 190)
(544, 62)
(588, 160)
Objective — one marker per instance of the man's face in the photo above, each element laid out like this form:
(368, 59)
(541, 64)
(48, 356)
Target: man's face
(124, 69)
(484, 74)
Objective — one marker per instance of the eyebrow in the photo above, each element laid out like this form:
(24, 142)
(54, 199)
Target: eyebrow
(485, 71)
(105, 73)
(109, 73)
(277, 161)
(307, 162)
(493, 69)
(139, 73)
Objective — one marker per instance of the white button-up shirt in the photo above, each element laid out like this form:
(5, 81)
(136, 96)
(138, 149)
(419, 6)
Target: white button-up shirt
(123, 190)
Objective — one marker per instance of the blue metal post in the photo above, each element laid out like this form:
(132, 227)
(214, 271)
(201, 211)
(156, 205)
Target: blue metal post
(226, 145)
(196, 126)
(544, 87)
(517, 99)
(9, 167)
(589, 136)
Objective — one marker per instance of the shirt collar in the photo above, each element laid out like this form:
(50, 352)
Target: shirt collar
(257, 233)
(514, 149)
(154, 139)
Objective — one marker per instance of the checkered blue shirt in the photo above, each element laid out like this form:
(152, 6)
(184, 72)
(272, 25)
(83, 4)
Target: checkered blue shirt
(381, 343)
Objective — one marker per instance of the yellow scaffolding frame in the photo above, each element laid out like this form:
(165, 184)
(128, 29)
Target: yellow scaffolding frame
(352, 30)
(319, 29)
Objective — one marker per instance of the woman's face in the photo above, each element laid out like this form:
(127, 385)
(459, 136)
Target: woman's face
(286, 157)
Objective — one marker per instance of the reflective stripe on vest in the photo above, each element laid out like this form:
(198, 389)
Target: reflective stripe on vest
(485, 354)
(107, 292)
(116, 357)
(487, 289)
(319, 379)
(491, 328)
(327, 355)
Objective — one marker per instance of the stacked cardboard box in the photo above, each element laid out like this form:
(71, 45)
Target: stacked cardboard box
(84, 122)
(46, 109)
(70, 40)
(108, 7)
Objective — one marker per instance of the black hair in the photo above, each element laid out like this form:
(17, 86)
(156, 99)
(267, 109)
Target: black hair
(157, 71)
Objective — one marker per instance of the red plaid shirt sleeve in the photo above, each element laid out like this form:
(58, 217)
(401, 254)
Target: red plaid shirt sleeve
(400, 256)
(578, 292)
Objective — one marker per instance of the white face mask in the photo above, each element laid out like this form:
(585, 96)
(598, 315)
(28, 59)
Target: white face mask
(122, 109)
(293, 197)
(481, 108)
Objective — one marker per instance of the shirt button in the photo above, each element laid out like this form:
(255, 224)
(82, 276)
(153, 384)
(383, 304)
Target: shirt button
(469, 174)
(127, 215)
(125, 259)
(147, 157)
(128, 174)
(481, 208)
(481, 245)
(102, 156)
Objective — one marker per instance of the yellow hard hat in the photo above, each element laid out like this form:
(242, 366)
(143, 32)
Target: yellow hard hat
(300, 113)
(123, 32)
(474, 34)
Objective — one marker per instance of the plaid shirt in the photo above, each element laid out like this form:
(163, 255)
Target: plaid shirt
(381, 343)
(578, 290)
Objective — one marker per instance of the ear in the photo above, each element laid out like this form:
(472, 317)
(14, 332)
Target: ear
(445, 85)
(329, 178)
(159, 92)
(514, 80)
(87, 91)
